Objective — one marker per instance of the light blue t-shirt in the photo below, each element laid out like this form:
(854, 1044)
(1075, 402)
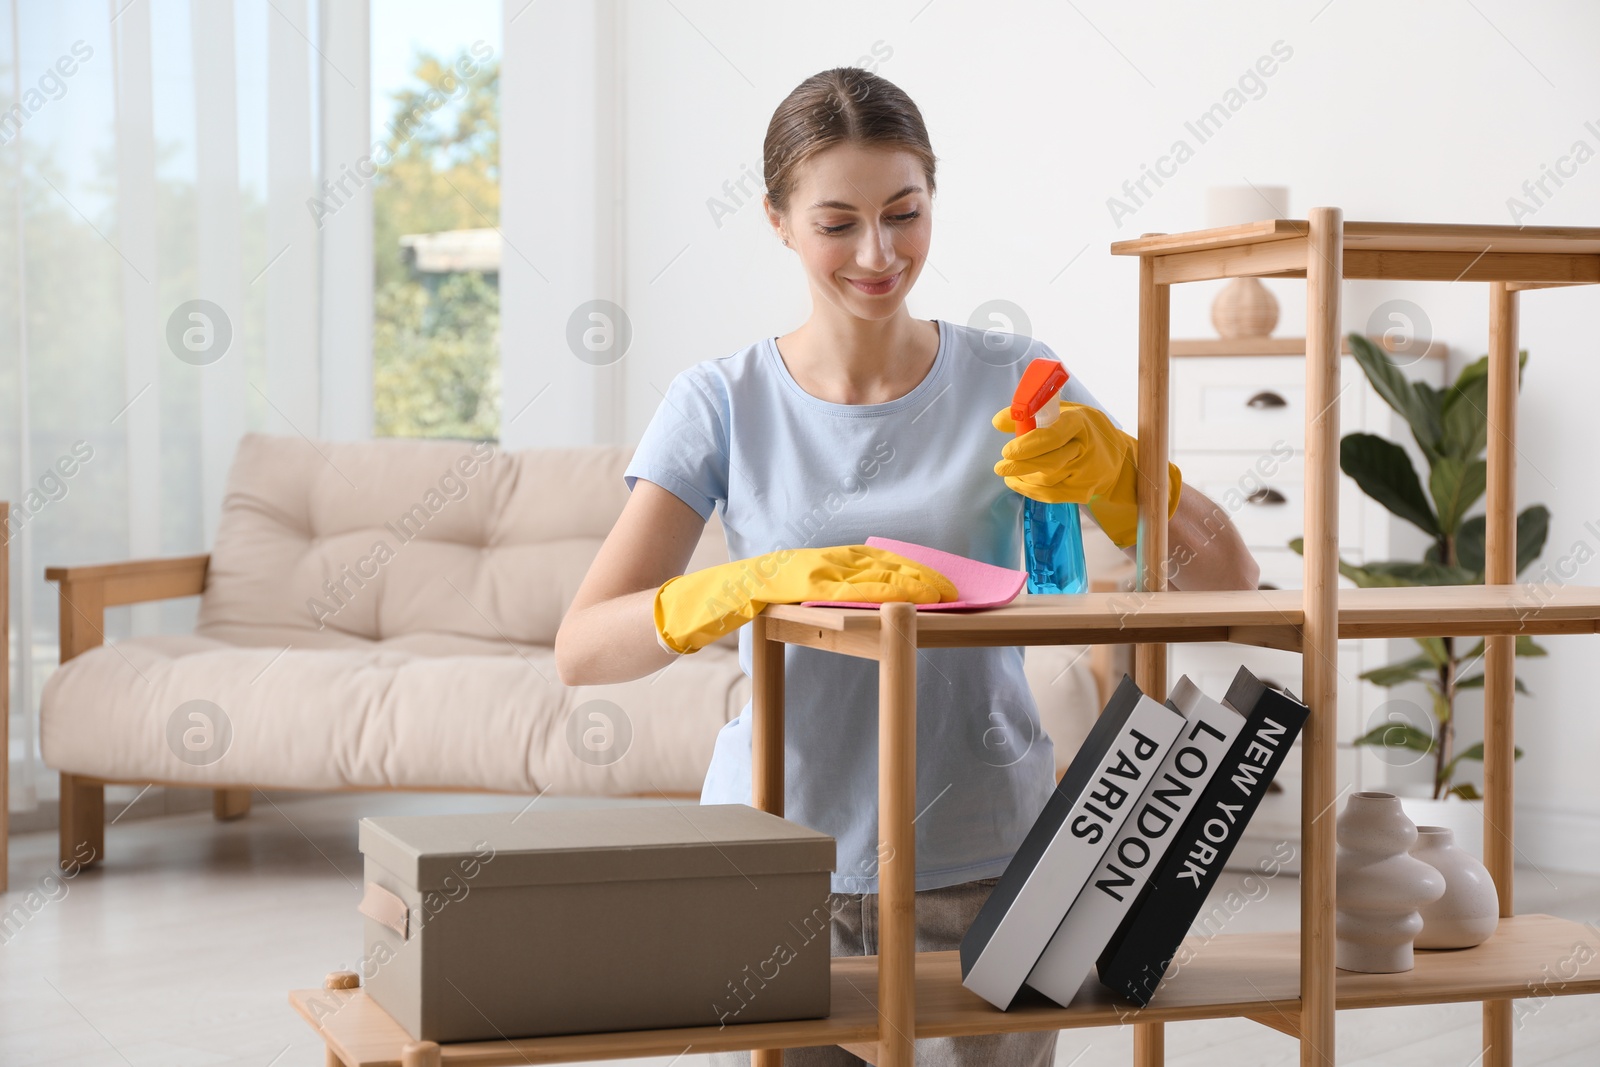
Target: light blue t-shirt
(791, 470)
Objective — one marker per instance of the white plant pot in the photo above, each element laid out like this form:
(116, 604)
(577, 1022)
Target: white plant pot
(1463, 817)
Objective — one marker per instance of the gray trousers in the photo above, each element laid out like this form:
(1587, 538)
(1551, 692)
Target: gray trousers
(943, 916)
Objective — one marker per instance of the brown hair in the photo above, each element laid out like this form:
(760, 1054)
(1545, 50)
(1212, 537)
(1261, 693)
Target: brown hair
(845, 105)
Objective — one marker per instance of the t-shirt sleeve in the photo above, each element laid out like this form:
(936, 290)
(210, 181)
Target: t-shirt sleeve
(1075, 391)
(685, 448)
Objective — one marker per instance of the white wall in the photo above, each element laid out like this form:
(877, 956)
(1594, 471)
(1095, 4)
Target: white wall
(1429, 112)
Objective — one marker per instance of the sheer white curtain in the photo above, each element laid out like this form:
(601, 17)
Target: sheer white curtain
(166, 287)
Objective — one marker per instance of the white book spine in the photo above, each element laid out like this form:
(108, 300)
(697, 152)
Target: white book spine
(1090, 826)
(1125, 866)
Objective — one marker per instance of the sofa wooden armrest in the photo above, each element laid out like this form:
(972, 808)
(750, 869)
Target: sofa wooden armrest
(86, 591)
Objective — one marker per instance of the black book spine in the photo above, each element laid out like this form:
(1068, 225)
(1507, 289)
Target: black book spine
(1141, 949)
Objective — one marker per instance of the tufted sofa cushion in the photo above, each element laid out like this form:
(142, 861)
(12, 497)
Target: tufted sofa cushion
(428, 544)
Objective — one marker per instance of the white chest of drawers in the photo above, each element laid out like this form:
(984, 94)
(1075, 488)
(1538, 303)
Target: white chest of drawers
(1238, 435)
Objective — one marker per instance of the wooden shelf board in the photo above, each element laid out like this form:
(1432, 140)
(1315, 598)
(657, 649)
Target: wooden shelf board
(1468, 610)
(1258, 974)
(1377, 236)
(364, 1035)
(1281, 346)
(1042, 619)
(1270, 617)
(1227, 975)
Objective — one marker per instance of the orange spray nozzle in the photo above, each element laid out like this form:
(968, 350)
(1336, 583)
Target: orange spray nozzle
(1039, 385)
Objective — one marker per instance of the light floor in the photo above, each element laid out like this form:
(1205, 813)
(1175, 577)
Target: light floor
(180, 950)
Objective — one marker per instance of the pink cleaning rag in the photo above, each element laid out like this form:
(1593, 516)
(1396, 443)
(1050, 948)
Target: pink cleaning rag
(978, 584)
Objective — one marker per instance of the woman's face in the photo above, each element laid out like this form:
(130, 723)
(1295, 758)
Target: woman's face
(859, 215)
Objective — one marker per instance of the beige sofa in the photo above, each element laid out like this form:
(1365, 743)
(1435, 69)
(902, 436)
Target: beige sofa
(380, 615)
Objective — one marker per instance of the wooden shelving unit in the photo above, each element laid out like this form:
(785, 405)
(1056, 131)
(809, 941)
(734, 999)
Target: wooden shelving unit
(1283, 980)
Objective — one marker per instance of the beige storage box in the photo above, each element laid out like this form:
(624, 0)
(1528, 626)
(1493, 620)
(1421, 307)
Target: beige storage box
(507, 925)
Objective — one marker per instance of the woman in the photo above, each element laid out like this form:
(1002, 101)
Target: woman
(867, 421)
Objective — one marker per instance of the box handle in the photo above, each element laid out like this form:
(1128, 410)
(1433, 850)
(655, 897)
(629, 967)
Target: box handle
(382, 906)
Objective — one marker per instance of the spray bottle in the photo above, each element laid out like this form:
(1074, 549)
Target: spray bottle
(1051, 534)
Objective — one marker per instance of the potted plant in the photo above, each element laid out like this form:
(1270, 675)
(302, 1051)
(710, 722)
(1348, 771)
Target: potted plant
(1451, 430)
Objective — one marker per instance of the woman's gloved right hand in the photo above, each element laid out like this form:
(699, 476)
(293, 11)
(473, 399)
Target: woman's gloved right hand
(692, 610)
(1081, 458)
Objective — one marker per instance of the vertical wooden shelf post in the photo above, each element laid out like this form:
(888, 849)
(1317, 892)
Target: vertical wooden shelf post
(897, 846)
(1150, 563)
(766, 718)
(1320, 636)
(766, 745)
(1499, 663)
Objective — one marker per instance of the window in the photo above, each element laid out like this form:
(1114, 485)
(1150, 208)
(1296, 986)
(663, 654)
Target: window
(436, 213)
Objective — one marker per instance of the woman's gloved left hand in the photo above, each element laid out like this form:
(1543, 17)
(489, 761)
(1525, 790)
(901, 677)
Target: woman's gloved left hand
(1081, 458)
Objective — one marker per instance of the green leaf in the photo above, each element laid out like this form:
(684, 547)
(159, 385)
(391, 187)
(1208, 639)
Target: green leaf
(1389, 383)
(1533, 526)
(1372, 579)
(1464, 408)
(1404, 572)
(1526, 646)
(1397, 735)
(1456, 485)
(1433, 648)
(1384, 472)
(1479, 368)
(1466, 791)
(1475, 753)
(1355, 574)
(1430, 401)
(1476, 682)
(1470, 547)
(1395, 573)
(1408, 670)
(1463, 411)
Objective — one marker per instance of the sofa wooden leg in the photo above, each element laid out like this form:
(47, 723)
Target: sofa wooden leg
(83, 821)
(230, 804)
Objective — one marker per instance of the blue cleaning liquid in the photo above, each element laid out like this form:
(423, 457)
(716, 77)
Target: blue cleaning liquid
(1053, 541)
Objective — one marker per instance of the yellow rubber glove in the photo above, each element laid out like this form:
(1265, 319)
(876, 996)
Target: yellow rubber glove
(692, 610)
(1081, 458)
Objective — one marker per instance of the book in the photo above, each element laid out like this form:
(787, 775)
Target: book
(1084, 812)
(1203, 742)
(1145, 942)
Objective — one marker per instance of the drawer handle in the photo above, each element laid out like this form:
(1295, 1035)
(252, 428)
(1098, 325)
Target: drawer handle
(1266, 399)
(1266, 496)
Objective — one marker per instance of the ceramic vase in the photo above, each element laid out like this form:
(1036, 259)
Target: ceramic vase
(1463, 817)
(1244, 308)
(1380, 886)
(1469, 911)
